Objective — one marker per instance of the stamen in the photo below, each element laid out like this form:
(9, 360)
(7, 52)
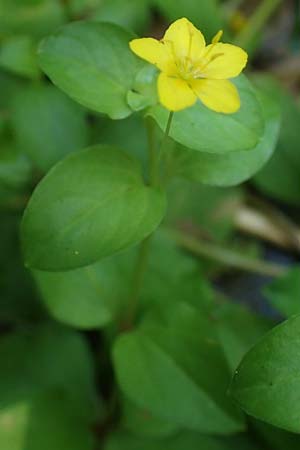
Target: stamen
(217, 55)
(217, 37)
(214, 42)
(190, 44)
(199, 73)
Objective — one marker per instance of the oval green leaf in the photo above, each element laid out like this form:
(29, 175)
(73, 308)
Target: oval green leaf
(202, 129)
(45, 421)
(90, 205)
(88, 297)
(93, 64)
(187, 389)
(235, 167)
(280, 178)
(184, 440)
(31, 17)
(267, 382)
(18, 55)
(62, 126)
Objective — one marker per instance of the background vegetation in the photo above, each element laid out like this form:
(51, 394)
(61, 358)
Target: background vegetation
(81, 366)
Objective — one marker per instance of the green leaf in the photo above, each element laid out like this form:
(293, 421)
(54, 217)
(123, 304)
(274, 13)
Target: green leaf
(280, 177)
(187, 388)
(238, 330)
(45, 357)
(208, 208)
(140, 422)
(133, 14)
(18, 302)
(9, 85)
(284, 293)
(202, 129)
(45, 421)
(18, 55)
(128, 134)
(15, 169)
(205, 15)
(88, 297)
(62, 126)
(77, 8)
(235, 167)
(173, 277)
(144, 90)
(276, 438)
(93, 64)
(181, 441)
(34, 17)
(90, 205)
(95, 295)
(266, 383)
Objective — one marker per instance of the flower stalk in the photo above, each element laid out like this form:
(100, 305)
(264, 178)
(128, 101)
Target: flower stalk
(154, 158)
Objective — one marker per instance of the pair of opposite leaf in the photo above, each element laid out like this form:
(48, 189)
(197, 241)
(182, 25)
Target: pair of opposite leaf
(191, 70)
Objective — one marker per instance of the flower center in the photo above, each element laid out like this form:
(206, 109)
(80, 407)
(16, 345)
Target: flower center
(189, 68)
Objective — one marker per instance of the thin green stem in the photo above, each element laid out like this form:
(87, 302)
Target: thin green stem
(152, 156)
(257, 22)
(137, 283)
(227, 256)
(166, 136)
(143, 253)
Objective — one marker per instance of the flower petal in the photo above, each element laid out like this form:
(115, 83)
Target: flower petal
(174, 93)
(226, 61)
(155, 52)
(184, 40)
(219, 95)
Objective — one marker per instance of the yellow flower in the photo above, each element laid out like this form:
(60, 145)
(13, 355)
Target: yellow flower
(190, 69)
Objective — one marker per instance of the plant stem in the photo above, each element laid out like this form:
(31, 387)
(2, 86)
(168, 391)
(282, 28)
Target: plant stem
(257, 22)
(143, 253)
(152, 157)
(226, 256)
(137, 282)
(166, 136)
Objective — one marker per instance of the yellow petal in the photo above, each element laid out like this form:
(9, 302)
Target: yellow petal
(223, 61)
(155, 52)
(219, 95)
(174, 93)
(184, 39)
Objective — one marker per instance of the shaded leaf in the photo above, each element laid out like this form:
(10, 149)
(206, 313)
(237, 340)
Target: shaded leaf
(184, 388)
(276, 438)
(140, 422)
(88, 297)
(15, 168)
(18, 55)
(280, 176)
(61, 129)
(38, 17)
(131, 14)
(205, 15)
(284, 293)
(45, 421)
(182, 441)
(266, 383)
(238, 329)
(47, 357)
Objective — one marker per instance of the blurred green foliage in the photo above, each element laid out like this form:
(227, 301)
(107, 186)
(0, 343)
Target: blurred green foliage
(72, 376)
